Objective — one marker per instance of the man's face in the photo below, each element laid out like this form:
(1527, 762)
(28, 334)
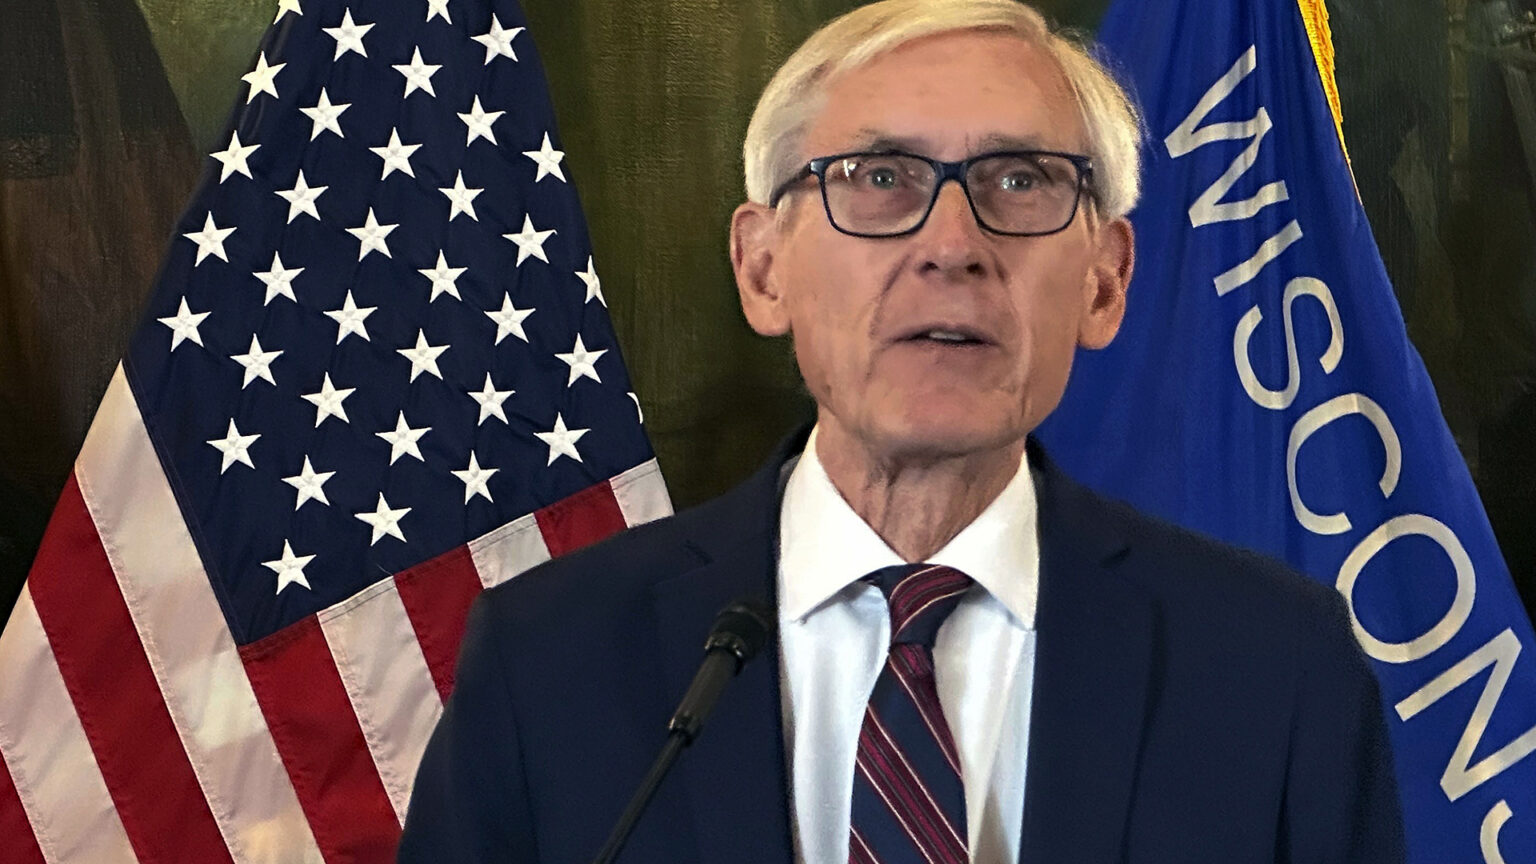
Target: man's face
(860, 310)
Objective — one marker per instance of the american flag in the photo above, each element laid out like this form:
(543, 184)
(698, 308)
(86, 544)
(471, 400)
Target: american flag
(377, 376)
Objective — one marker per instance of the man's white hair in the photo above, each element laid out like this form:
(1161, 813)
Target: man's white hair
(798, 90)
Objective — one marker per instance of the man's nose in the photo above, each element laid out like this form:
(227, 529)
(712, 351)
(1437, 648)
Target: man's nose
(952, 242)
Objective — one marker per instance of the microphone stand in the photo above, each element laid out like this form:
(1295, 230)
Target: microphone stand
(739, 632)
(675, 744)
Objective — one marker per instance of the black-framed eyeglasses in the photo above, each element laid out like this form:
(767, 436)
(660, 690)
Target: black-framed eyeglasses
(1018, 193)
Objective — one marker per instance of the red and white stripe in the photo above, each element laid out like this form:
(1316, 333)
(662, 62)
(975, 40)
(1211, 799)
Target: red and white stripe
(132, 728)
(922, 589)
(885, 767)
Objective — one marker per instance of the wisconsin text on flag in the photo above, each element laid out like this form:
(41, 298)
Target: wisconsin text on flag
(377, 375)
(1264, 390)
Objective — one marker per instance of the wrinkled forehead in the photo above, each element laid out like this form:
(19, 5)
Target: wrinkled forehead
(950, 95)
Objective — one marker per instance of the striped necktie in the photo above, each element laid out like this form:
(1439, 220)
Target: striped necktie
(908, 799)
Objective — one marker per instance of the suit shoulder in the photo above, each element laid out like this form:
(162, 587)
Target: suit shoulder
(1177, 562)
(1247, 608)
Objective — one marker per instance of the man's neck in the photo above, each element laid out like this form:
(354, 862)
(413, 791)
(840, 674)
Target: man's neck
(916, 503)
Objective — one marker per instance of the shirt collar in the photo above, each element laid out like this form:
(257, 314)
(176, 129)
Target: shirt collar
(824, 546)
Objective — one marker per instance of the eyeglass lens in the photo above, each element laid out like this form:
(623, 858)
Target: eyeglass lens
(882, 193)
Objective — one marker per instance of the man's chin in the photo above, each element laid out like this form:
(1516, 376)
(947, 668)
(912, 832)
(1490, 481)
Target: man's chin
(934, 438)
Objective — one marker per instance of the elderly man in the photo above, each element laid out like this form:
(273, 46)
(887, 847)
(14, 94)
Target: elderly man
(977, 659)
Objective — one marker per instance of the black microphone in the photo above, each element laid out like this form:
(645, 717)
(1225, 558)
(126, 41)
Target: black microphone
(740, 631)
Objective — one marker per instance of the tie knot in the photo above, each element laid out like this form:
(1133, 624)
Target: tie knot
(920, 597)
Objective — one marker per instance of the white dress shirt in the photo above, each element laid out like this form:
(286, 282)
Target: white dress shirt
(834, 633)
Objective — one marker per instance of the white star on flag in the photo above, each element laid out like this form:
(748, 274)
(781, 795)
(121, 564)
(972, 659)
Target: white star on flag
(286, 6)
(475, 479)
(461, 197)
(371, 236)
(234, 157)
(443, 278)
(509, 319)
(438, 8)
(561, 441)
(279, 280)
(423, 357)
(583, 363)
(548, 160)
(396, 156)
(384, 521)
(418, 75)
(210, 240)
(301, 198)
(349, 319)
(184, 325)
(498, 41)
(348, 35)
(327, 401)
(594, 284)
(478, 123)
(235, 447)
(639, 415)
(310, 485)
(257, 363)
(289, 568)
(530, 241)
(402, 440)
(324, 116)
(490, 400)
(263, 79)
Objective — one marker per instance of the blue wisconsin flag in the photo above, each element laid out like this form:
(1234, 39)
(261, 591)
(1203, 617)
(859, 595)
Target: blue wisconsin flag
(1263, 390)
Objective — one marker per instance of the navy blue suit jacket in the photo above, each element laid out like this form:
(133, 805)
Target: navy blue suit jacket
(1192, 702)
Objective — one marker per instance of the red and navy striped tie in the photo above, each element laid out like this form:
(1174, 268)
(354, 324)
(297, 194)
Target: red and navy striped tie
(908, 799)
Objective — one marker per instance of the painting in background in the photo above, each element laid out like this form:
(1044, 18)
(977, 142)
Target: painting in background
(110, 107)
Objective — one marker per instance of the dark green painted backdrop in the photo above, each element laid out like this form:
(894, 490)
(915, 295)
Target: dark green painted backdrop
(653, 98)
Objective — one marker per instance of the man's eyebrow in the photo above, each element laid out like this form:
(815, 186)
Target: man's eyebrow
(876, 141)
(995, 142)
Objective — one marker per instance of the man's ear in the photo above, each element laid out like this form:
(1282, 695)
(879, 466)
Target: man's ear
(1105, 286)
(753, 243)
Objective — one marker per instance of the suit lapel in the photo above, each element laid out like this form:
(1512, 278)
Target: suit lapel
(1094, 647)
(734, 771)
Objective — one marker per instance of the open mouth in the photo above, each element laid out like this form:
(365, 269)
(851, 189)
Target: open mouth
(945, 336)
